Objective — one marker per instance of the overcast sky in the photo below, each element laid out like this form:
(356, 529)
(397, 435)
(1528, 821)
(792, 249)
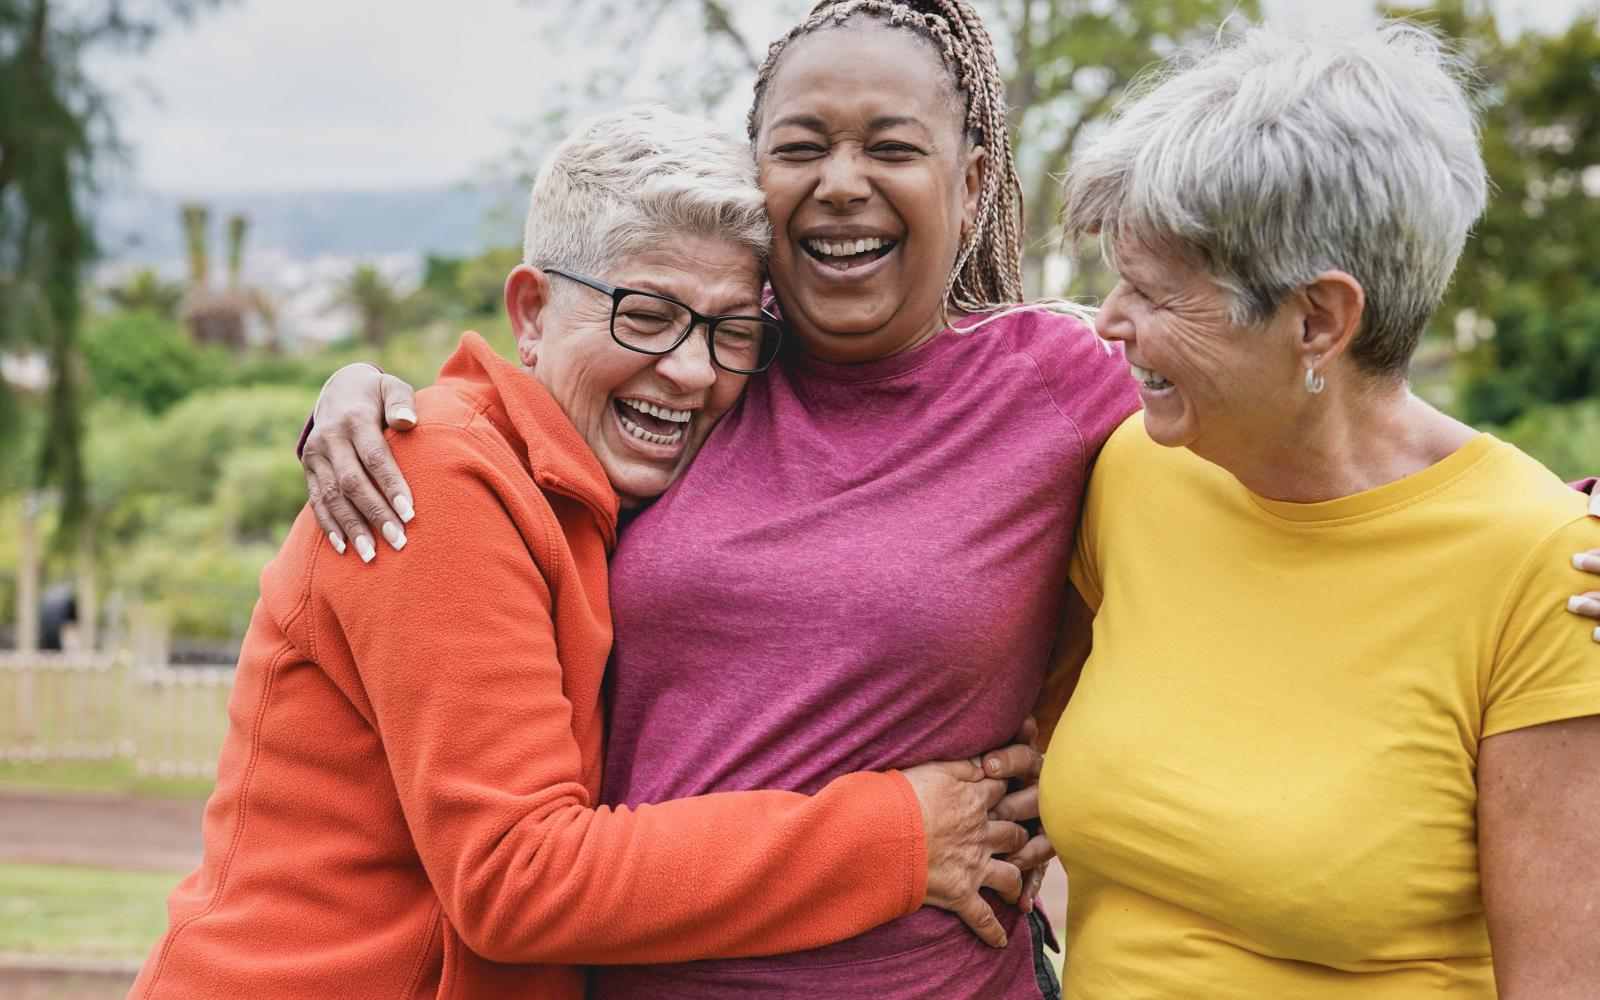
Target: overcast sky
(327, 94)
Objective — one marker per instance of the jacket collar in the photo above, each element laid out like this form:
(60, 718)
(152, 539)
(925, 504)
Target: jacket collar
(558, 457)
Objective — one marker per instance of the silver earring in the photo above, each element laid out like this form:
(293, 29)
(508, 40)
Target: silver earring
(1315, 383)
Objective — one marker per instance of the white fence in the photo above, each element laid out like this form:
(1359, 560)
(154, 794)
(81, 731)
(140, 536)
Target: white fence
(75, 707)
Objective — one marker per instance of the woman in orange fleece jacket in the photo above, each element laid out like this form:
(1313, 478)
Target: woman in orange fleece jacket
(404, 805)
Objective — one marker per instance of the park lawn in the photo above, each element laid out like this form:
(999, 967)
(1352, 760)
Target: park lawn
(63, 910)
(110, 776)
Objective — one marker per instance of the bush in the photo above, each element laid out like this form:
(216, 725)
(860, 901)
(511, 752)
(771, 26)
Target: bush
(1565, 438)
(260, 492)
(1536, 357)
(202, 584)
(196, 437)
(143, 359)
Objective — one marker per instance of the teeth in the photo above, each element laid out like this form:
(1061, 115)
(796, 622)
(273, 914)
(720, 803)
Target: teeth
(659, 412)
(846, 248)
(644, 435)
(1148, 378)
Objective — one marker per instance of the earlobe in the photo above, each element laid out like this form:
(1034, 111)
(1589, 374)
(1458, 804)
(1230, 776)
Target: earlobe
(527, 294)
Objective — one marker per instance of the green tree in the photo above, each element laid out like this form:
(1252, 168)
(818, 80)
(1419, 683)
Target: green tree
(375, 301)
(1067, 62)
(146, 292)
(147, 360)
(1524, 307)
(54, 125)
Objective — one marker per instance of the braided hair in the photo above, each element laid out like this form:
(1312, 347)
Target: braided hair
(988, 268)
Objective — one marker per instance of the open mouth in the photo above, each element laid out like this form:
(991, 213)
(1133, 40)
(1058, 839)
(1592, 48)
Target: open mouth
(844, 255)
(651, 422)
(1149, 378)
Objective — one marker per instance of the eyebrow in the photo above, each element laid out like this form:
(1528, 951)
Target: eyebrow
(814, 124)
(657, 288)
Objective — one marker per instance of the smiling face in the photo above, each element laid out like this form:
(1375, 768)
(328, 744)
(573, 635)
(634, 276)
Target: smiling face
(644, 417)
(1207, 384)
(869, 182)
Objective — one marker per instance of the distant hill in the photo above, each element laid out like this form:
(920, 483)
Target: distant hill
(143, 227)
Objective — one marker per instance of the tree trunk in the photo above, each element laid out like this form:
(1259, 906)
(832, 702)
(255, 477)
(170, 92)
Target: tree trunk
(88, 591)
(28, 576)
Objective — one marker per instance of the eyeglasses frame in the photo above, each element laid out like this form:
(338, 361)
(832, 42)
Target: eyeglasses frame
(619, 292)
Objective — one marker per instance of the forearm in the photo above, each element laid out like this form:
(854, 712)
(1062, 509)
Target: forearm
(716, 876)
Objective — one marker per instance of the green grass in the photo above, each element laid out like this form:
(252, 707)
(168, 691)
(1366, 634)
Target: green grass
(107, 776)
(82, 912)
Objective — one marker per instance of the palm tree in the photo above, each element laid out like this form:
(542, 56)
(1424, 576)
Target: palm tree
(375, 301)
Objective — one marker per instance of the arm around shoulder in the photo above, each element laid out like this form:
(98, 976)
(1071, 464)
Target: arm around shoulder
(456, 658)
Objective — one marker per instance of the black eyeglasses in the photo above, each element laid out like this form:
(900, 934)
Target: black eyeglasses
(654, 324)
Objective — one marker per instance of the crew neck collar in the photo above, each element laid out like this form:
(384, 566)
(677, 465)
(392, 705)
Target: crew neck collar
(1389, 496)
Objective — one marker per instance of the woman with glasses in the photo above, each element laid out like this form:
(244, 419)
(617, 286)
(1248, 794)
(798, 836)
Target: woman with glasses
(866, 562)
(406, 801)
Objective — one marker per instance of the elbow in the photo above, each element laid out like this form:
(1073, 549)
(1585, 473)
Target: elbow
(514, 907)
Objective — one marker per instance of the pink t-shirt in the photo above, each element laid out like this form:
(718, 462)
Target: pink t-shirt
(862, 570)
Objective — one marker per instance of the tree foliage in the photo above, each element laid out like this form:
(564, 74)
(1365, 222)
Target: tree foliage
(148, 360)
(55, 123)
(376, 303)
(1067, 62)
(1525, 302)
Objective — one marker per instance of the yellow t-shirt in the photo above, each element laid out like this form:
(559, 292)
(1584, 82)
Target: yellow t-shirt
(1265, 783)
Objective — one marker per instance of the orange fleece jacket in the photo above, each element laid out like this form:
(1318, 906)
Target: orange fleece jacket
(405, 803)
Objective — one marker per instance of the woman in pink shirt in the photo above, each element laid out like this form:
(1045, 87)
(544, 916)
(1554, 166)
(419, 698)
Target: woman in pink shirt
(865, 563)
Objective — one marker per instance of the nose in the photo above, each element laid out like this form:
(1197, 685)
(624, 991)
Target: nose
(1112, 322)
(688, 366)
(843, 181)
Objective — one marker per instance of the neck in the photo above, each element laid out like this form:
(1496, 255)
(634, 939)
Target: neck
(1345, 442)
(864, 348)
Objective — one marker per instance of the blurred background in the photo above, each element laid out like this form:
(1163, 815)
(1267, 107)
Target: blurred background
(208, 205)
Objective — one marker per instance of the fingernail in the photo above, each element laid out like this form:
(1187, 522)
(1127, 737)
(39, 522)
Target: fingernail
(365, 549)
(405, 413)
(993, 763)
(337, 541)
(1597, 635)
(402, 506)
(394, 536)
(1583, 605)
(1586, 562)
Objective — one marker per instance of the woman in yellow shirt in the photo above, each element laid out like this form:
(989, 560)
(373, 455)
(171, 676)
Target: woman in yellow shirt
(1337, 736)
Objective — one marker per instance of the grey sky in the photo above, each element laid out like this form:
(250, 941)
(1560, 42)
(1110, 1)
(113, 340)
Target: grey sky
(327, 94)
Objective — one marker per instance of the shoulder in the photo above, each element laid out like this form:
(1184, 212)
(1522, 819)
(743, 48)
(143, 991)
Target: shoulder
(1131, 465)
(1054, 335)
(1085, 376)
(1527, 503)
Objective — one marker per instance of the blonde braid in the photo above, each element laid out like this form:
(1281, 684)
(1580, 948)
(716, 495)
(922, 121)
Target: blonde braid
(988, 267)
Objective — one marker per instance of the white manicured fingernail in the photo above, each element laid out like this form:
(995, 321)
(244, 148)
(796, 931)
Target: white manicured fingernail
(394, 536)
(1597, 635)
(365, 549)
(402, 506)
(1582, 605)
(337, 541)
(1586, 562)
(405, 413)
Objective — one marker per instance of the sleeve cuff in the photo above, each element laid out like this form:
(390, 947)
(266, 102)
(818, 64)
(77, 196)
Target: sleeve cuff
(1572, 702)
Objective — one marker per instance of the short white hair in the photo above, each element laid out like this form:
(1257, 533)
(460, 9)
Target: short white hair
(1270, 159)
(628, 181)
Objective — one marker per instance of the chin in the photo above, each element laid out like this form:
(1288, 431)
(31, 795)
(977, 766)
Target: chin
(1168, 433)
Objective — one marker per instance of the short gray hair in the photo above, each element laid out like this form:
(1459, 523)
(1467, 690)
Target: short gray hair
(628, 181)
(1271, 159)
